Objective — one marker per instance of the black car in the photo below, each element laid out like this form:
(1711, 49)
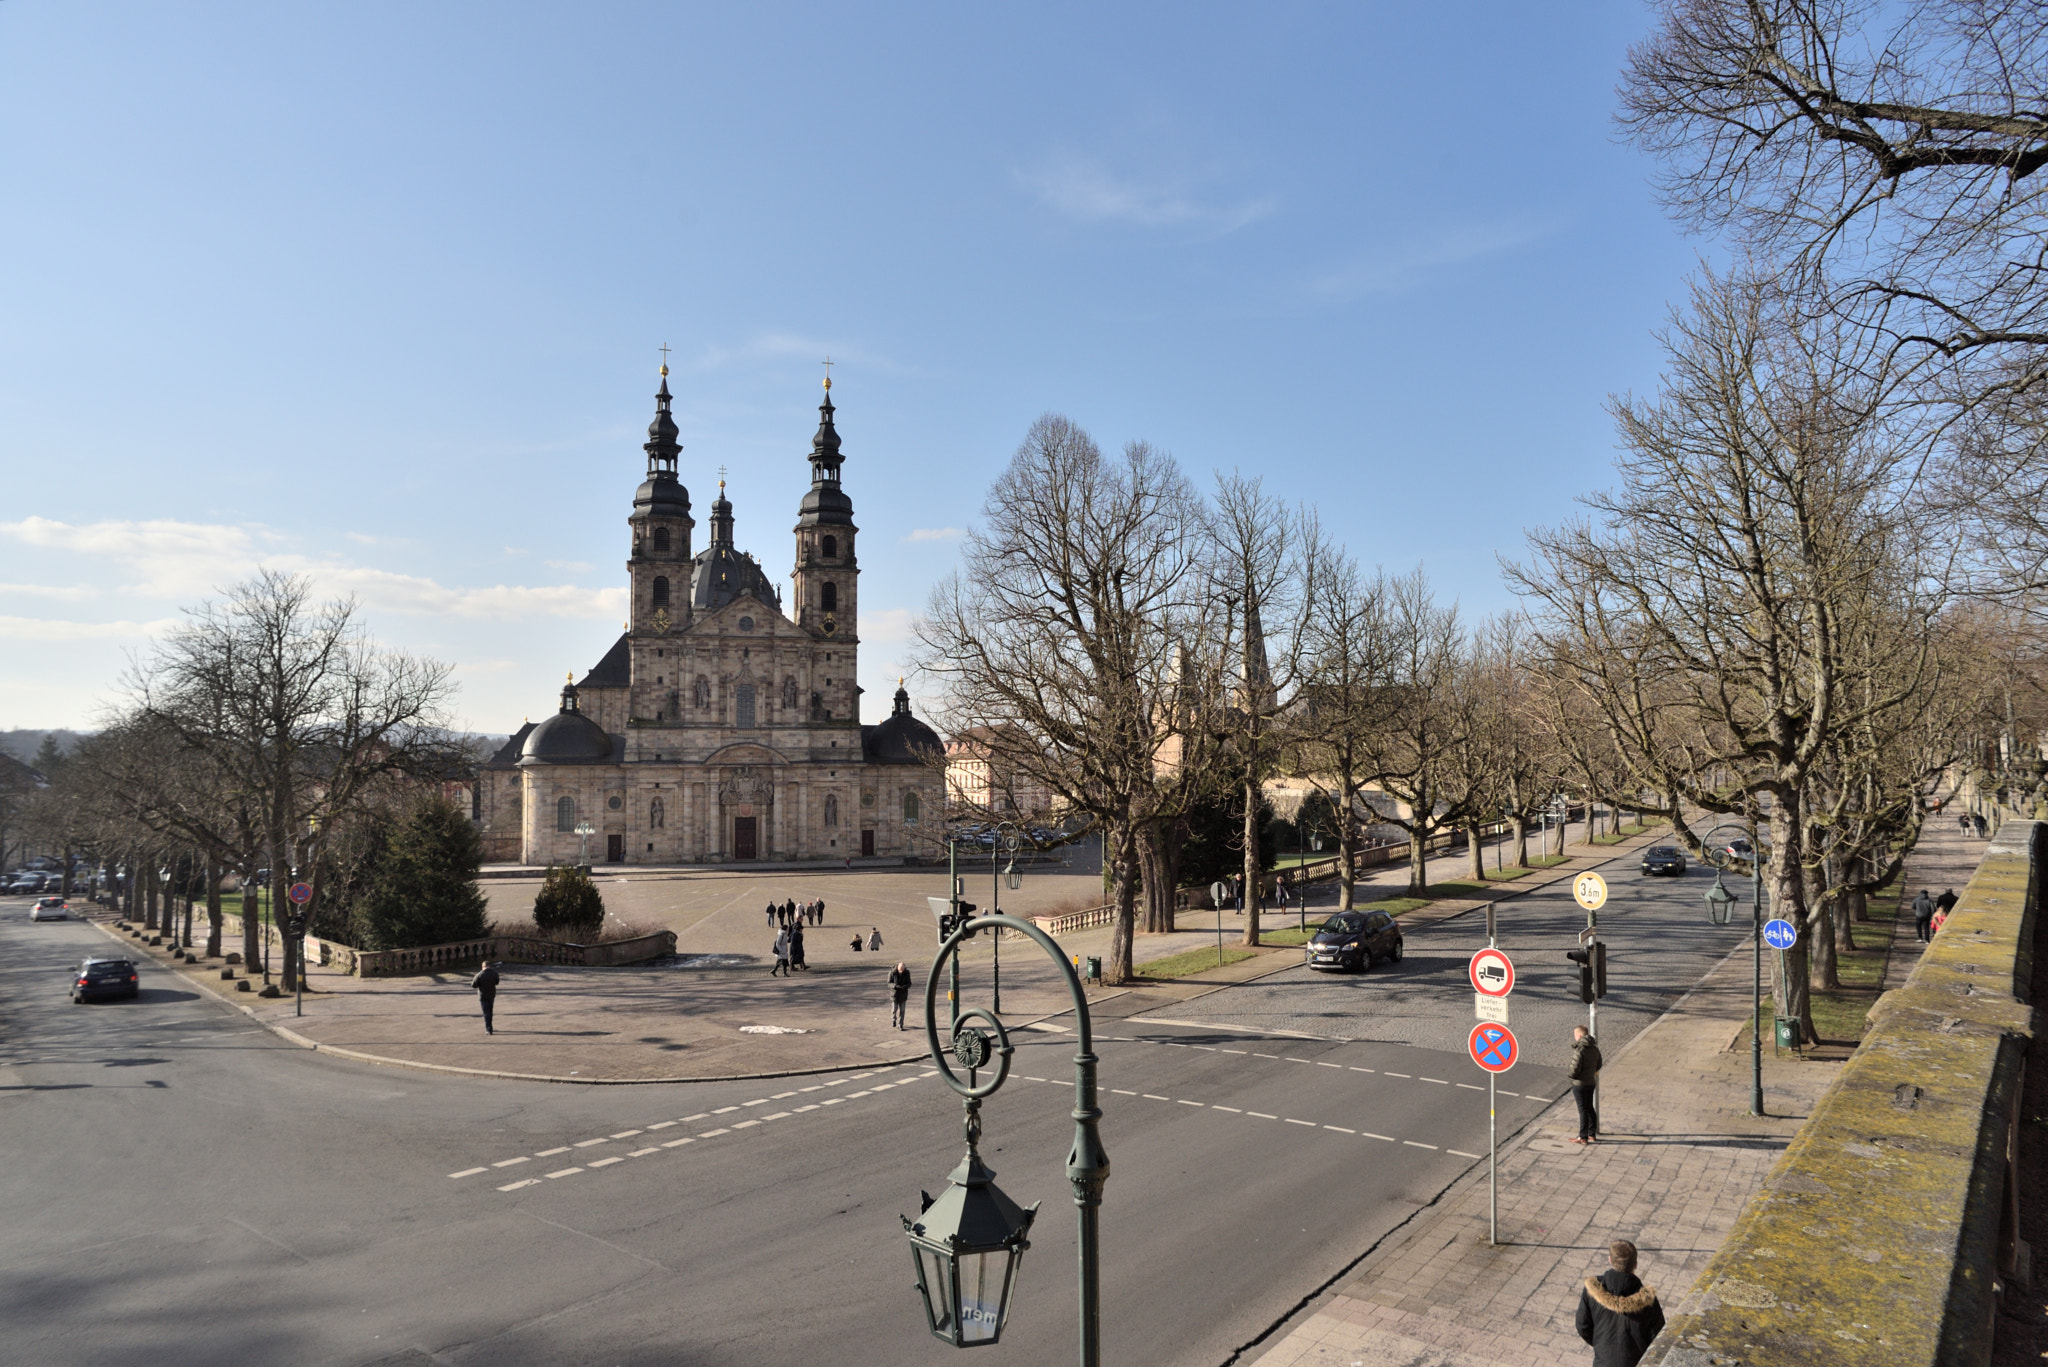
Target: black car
(1355, 941)
(1664, 859)
(105, 978)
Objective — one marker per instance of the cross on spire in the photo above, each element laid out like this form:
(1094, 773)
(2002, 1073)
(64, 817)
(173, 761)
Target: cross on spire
(664, 358)
(721, 479)
(828, 372)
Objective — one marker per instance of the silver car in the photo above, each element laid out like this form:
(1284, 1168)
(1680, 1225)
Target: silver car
(50, 909)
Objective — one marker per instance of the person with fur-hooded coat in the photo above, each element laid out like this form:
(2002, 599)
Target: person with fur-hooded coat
(1618, 1315)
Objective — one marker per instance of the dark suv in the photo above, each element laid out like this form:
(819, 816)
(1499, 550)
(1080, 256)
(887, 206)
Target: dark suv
(1355, 940)
(105, 978)
(1664, 859)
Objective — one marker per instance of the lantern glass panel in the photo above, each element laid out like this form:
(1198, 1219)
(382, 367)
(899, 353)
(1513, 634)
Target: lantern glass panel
(984, 1294)
(935, 1286)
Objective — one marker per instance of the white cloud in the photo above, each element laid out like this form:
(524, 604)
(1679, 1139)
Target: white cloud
(44, 629)
(1085, 188)
(935, 534)
(1388, 269)
(568, 566)
(885, 625)
(186, 561)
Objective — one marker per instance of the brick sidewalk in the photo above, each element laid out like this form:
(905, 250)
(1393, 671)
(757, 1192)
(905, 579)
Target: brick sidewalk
(1679, 1157)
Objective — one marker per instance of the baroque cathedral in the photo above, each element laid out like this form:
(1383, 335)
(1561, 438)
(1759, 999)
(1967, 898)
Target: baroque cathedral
(720, 727)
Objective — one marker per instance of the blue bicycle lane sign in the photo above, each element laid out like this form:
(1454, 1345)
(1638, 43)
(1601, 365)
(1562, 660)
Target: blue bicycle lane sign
(1780, 934)
(1493, 1047)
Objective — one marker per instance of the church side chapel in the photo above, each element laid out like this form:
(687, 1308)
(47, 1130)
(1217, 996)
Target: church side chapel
(720, 726)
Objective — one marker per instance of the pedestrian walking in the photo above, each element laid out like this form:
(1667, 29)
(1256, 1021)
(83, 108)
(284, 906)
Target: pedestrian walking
(772, 909)
(1923, 916)
(796, 946)
(1983, 828)
(1945, 903)
(820, 904)
(899, 988)
(1618, 1315)
(875, 938)
(856, 942)
(486, 985)
(1585, 1076)
(789, 912)
(781, 955)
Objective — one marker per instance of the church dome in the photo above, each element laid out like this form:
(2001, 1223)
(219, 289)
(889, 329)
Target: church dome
(568, 737)
(902, 739)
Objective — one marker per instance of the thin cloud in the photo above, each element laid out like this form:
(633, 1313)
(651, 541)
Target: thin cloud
(936, 534)
(1085, 188)
(879, 626)
(1384, 270)
(569, 566)
(45, 629)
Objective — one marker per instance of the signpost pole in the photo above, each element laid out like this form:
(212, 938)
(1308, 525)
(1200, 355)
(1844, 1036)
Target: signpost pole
(1492, 1168)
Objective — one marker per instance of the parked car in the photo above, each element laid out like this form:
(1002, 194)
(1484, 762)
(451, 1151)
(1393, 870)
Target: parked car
(1353, 941)
(1664, 859)
(27, 883)
(50, 909)
(105, 978)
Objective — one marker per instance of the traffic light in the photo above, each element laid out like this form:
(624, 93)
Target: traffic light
(962, 913)
(1592, 962)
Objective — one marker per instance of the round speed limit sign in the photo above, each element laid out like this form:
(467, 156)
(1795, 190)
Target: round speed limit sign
(1591, 891)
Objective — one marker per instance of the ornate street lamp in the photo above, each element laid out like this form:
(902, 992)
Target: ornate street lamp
(1720, 901)
(1720, 854)
(968, 1242)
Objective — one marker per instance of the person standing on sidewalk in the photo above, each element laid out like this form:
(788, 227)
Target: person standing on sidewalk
(1618, 1315)
(796, 946)
(486, 985)
(899, 988)
(875, 938)
(781, 955)
(1923, 916)
(772, 909)
(1585, 1077)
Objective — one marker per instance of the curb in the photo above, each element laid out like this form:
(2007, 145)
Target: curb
(292, 1037)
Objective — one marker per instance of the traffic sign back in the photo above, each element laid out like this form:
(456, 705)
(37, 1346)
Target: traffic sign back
(1493, 1047)
(1780, 934)
(1492, 973)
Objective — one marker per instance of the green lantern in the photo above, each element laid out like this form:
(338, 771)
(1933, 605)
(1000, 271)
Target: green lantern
(967, 1245)
(1720, 903)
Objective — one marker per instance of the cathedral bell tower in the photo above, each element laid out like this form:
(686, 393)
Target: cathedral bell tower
(660, 565)
(826, 571)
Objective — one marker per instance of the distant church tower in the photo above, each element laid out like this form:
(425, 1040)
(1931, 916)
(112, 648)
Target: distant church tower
(659, 569)
(827, 574)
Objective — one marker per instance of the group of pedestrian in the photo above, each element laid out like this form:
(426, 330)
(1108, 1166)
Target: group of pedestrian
(1974, 823)
(1930, 914)
(788, 914)
(873, 942)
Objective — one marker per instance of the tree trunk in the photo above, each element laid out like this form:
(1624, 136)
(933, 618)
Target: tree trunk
(1124, 894)
(1252, 890)
(185, 939)
(213, 913)
(1347, 854)
(1521, 825)
(149, 891)
(1477, 848)
(252, 901)
(1418, 862)
(1844, 909)
(1826, 972)
(1788, 902)
(1157, 873)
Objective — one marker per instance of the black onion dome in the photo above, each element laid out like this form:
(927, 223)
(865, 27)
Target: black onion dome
(568, 737)
(902, 739)
(825, 502)
(662, 492)
(720, 574)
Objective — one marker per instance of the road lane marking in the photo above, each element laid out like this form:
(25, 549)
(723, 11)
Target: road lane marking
(801, 1109)
(1232, 1109)
(1121, 1092)
(550, 1153)
(1437, 1080)
(1356, 1069)
(814, 1087)
(758, 1101)
(1296, 1060)
(1261, 1115)
(832, 1101)
(1149, 1097)
(1028, 1078)
(468, 1172)
(1207, 1049)
(1340, 1129)
(1233, 1051)
(642, 1153)
(746, 1124)
(676, 1143)
(510, 1161)
(1461, 1153)
(1274, 1057)
(1370, 1135)
(701, 1115)
(1408, 1076)
(607, 1162)
(1184, 1103)
(1413, 1145)
(779, 1095)
(1310, 1123)
(1471, 1086)
(529, 1182)
(1321, 1064)
(713, 1134)
(777, 1116)
(723, 1109)
(625, 1134)
(564, 1172)
(661, 1125)
(586, 1143)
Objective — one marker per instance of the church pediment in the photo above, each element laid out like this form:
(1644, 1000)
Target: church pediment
(745, 752)
(743, 617)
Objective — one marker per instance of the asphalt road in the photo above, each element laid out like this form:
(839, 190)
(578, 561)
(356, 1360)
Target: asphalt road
(181, 1184)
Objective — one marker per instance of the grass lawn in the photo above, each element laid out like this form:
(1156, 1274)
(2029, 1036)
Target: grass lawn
(1624, 833)
(1548, 861)
(1192, 961)
(1293, 935)
(1841, 1014)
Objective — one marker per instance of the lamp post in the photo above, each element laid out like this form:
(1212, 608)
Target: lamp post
(1720, 904)
(968, 1242)
(1007, 843)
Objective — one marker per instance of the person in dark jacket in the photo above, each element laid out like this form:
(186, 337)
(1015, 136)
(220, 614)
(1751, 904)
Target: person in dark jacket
(772, 910)
(1946, 902)
(1618, 1315)
(1585, 1077)
(796, 946)
(486, 985)
(899, 988)
(1923, 916)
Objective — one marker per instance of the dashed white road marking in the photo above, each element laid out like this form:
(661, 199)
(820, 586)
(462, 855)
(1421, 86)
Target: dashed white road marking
(801, 1109)
(1121, 1092)
(1190, 1103)
(1261, 1115)
(1149, 1097)
(510, 1161)
(746, 1124)
(1414, 1145)
(607, 1162)
(564, 1172)
(1310, 1123)
(642, 1153)
(586, 1143)
(1232, 1109)
(723, 1109)
(468, 1172)
(514, 1186)
(713, 1134)
(1233, 1051)
(625, 1134)
(701, 1115)
(1321, 1064)
(1461, 1153)
(677, 1143)
(777, 1116)
(1437, 1080)
(1370, 1135)
(1409, 1076)
(1471, 1087)
(662, 1125)
(550, 1153)
(1340, 1129)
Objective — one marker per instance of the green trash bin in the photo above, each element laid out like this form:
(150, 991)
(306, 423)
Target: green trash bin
(1093, 971)
(1788, 1032)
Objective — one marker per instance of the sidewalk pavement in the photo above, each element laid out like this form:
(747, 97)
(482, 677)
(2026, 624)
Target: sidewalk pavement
(713, 1012)
(1678, 1158)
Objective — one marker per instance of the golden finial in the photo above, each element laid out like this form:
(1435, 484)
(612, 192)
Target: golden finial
(664, 360)
(570, 676)
(828, 374)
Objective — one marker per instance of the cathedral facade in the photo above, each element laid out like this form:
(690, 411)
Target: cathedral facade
(721, 726)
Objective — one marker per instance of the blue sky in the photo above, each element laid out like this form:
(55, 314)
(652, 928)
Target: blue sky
(375, 292)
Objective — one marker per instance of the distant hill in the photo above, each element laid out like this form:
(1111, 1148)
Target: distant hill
(24, 744)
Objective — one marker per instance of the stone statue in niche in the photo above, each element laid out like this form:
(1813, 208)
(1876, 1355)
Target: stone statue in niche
(789, 692)
(831, 811)
(701, 692)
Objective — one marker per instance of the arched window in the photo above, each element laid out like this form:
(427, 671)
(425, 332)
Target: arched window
(911, 809)
(831, 811)
(743, 705)
(657, 815)
(831, 597)
(831, 548)
(565, 814)
(661, 538)
(661, 592)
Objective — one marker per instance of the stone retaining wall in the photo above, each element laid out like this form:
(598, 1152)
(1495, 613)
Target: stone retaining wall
(1889, 1228)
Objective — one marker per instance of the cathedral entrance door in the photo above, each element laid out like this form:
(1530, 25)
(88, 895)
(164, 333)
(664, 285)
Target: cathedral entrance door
(743, 837)
(615, 849)
(867, 844)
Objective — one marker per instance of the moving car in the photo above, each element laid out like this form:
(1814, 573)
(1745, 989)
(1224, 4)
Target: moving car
(50, 909)
(105, 978)
(1664, 859)
(1355, 941)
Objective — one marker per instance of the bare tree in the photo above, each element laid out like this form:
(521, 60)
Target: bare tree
(1062, 633)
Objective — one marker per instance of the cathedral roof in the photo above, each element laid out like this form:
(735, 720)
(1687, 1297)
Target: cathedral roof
(568, 737)
(615, 670)
(902, 739)
(720, 574)
(508, 753)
